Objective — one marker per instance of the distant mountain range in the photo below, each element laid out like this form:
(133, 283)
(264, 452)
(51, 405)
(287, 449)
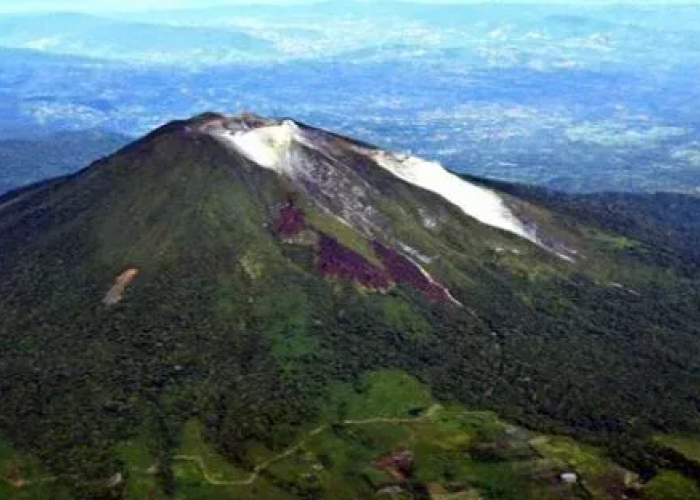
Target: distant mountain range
(491, 35)
(580, 99)
(89, 36)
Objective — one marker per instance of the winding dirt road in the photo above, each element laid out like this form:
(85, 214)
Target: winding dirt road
(262, 467)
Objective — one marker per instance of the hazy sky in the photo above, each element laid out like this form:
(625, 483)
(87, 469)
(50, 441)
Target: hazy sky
(113, 5)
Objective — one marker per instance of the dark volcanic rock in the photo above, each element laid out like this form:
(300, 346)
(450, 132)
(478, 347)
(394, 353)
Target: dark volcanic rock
(336, 260)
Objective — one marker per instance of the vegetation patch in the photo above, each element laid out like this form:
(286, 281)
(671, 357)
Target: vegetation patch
(688, 446)
(344, 234)
(141, 470)
(669, 485)
(196, 460)
(597, 474)
(22, 477)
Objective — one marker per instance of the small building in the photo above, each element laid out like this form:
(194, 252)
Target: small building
(569, 478)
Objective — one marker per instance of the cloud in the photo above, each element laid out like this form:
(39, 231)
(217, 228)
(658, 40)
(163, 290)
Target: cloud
(114, 5)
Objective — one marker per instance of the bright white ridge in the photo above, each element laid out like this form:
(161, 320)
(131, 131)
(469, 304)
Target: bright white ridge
(477, 202)
(269, 147)
(266, 146)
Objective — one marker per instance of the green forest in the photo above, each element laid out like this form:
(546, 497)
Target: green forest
(229, 348)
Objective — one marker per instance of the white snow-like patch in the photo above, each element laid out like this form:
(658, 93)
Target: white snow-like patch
(265, 146)
(480, 203)
(273, 147)
(321, 174)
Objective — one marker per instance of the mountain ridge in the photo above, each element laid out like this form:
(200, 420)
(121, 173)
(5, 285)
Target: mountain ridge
(251, 299)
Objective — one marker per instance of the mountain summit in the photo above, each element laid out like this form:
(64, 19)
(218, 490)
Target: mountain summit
(243, 292)
(318, 161)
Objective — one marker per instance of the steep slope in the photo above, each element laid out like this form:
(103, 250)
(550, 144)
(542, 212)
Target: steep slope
(243, 274)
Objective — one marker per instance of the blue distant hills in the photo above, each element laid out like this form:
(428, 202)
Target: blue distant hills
(584, 98)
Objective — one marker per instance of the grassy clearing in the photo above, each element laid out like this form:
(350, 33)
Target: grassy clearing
(202, 473)
(141, 469)
(388, 394)
(671, 486)
(688, 446)
(598, 475)
(216, 466)
(467, 454)
(570, 453)
(459, 453)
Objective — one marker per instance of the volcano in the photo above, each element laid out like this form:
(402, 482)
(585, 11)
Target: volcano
(227, 308)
